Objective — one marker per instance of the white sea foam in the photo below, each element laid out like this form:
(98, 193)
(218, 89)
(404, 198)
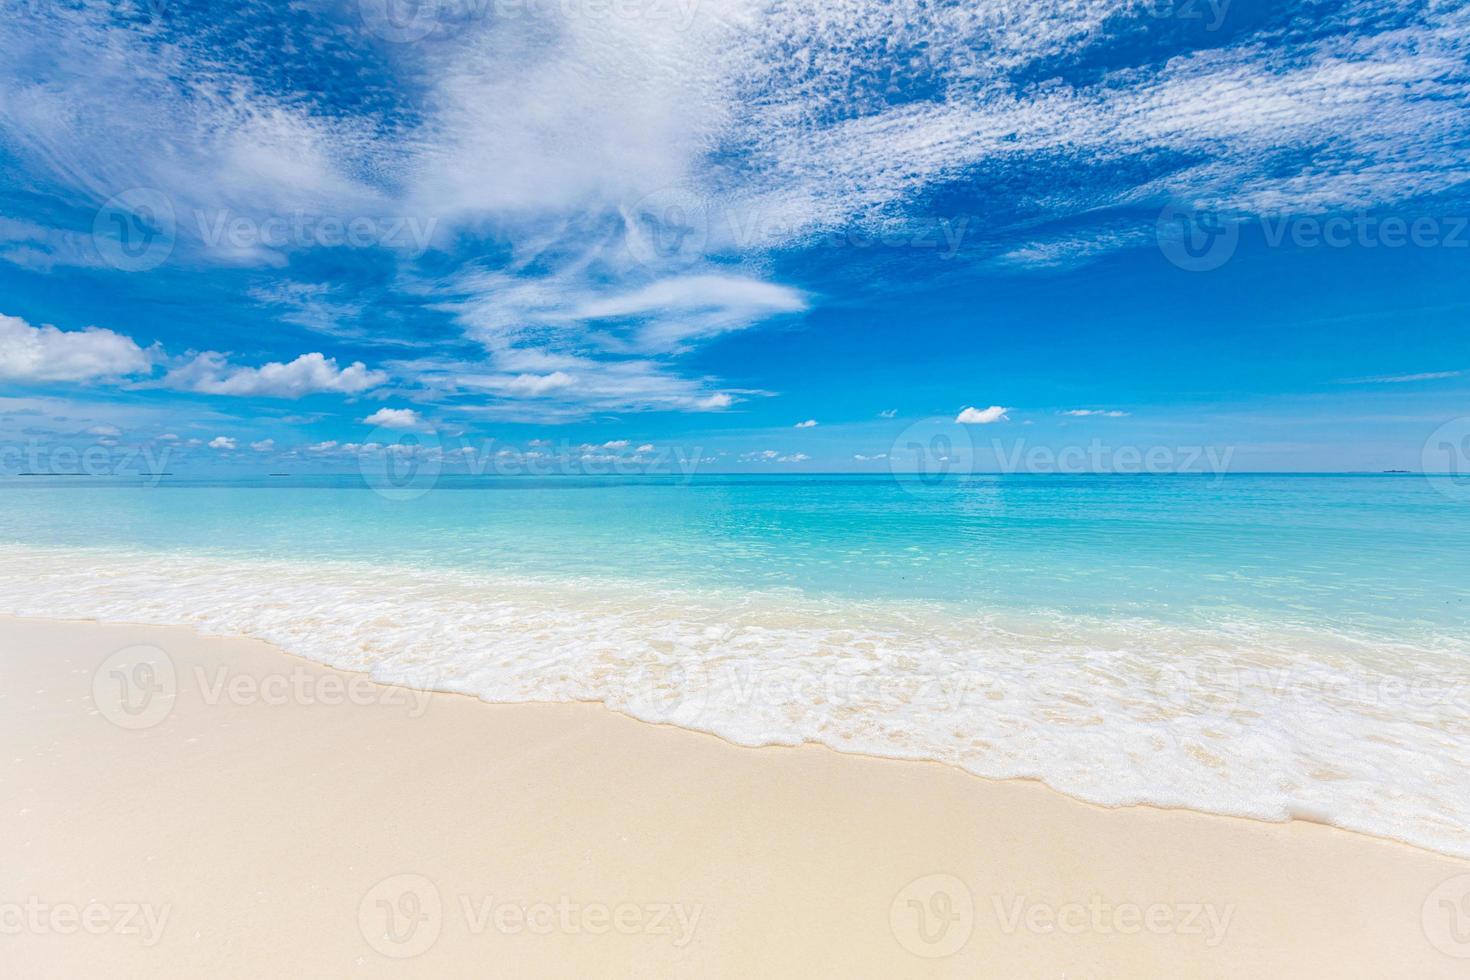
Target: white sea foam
(1235, 719)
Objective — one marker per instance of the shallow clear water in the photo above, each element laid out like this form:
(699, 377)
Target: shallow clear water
(1263, 645)
(1380, 554)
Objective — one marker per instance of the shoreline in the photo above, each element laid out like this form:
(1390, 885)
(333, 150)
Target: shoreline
(1038, 781)
(1248, 721)
(280, 815)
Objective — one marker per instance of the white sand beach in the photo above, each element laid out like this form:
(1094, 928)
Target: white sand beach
(180, 806)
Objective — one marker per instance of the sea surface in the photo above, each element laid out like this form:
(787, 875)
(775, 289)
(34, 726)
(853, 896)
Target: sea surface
(1266, 646)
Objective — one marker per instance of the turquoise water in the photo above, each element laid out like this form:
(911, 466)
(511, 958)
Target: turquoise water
(1378, 555)
(1268, 646)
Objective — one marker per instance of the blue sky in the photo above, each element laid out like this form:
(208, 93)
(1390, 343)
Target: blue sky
(260, 239)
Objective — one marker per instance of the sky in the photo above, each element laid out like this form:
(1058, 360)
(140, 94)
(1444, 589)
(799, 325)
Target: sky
(591, 236)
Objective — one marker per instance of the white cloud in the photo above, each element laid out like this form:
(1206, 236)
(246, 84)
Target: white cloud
(647, 447)
(44, 353)
(561, 133)
(888, 413)
(772, 456)
(211, 374)
(395, 418)
(1396, 379)
(1103, 413)
(109, 431)
(263, 446)
(982, 416)
(545, 386)
(713, 403)
(536, 385)
(222, 442)
(671, 312)
(808, 424)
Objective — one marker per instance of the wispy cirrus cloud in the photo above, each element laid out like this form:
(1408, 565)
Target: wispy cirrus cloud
(603, 195)
(1398, 379)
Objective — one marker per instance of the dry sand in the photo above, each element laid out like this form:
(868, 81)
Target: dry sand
(232, 811)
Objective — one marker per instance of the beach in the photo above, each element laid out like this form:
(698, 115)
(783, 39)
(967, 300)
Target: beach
(181, 806)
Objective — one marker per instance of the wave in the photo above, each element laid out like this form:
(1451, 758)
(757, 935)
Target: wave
(1237, 718)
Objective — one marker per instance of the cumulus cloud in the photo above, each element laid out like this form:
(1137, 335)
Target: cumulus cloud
(395, 418)
(222, 442)
(808, 424)
(44, 353)
(210, 373)
(982, 416)
(1087, 412)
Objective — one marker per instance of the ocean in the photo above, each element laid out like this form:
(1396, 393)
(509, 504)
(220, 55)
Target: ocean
(1260, 645)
